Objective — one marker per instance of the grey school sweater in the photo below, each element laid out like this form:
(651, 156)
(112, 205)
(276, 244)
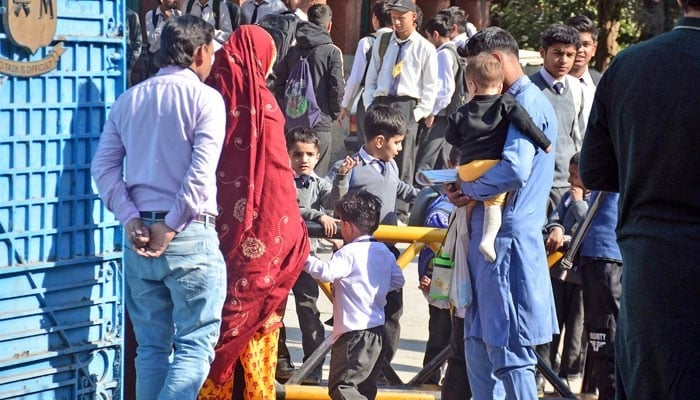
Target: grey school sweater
(387, 187)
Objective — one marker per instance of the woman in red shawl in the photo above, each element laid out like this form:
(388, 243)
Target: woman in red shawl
(263, 237)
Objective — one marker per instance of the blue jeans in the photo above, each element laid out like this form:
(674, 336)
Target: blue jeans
(175, 304)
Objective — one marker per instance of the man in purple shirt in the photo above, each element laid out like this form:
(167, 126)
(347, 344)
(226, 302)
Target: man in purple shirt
(155, 170)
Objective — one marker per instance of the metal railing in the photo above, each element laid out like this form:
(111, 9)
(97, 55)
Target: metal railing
(417, 238)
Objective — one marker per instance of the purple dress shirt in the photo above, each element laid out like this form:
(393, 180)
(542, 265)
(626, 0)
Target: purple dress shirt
(160, 148)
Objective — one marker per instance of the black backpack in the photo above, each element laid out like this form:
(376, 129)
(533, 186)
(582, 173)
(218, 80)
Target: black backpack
(459, 98)
(282, 28)
(234, 12)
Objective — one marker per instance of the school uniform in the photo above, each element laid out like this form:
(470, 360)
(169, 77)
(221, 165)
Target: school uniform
(382, 180)
(567, 105)
(412, 91)
(432, 151)
(362, 272)
(601, 268)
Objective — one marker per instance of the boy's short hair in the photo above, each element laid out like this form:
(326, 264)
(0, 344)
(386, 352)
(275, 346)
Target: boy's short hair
(303, 135)
(361, 208)
(491, 39)
(439, 23)
(383, 120)
(457, 17)
(484, 70)
(380, 9)
(320, 14)
(575, 159)
(559, 33)
(583, 24)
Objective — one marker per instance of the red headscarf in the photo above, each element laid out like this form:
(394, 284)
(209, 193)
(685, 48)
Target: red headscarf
(263, 237)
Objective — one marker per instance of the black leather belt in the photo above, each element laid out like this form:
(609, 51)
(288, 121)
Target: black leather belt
(158, 216)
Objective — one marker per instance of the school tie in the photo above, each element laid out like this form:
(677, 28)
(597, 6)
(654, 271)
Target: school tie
(558, 87)
(254, 18)
(201, 9)
(302, 181)
(381, 165)
(396, 71)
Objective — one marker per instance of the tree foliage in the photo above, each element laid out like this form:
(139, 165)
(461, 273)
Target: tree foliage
(617, 20)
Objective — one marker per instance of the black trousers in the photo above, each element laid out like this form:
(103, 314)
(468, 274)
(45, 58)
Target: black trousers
(392, 329)
(456, 383)
(601, 304)
(432, 151)
(325, 149)
(568, 299)
(355, 365)
(439, 334)
(312, 332)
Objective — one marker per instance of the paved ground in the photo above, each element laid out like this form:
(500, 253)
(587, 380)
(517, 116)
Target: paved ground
(414, 330)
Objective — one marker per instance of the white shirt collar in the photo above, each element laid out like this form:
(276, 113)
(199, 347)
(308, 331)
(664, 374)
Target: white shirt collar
(550, 79)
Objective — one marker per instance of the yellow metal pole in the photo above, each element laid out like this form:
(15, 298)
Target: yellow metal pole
(299, 392)
(409, 234)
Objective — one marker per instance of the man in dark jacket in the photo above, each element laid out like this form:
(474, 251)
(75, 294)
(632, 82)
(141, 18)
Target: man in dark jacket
(642, 140)
(326, 62)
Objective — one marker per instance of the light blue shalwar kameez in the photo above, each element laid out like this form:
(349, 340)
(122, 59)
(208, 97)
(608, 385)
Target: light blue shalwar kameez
(512, 308)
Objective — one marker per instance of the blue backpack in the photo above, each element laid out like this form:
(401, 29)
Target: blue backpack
(300, 105)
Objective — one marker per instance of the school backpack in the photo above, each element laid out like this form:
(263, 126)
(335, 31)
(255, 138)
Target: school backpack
(234, 12)
(282, 28)
(300, 105)
(459, 97)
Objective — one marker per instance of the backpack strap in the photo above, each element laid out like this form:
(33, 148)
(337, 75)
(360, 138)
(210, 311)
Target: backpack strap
(455, 56)
(154, 17)
(368, 57)
(383, 45)
(216, 7)
(188, 10)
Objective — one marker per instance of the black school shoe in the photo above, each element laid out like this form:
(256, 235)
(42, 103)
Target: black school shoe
(284, 370)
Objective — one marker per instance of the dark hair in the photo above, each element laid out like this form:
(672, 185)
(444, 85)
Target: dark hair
(419, 18)
(303, 135)
(361, 208)
(562, 34)
(453, 157)
(583, 24)
(439, 23)
(457, 17)
(320, 14)
(180, 38)
(492, 39)
(380, 9)
(383, 120)
(575, 159)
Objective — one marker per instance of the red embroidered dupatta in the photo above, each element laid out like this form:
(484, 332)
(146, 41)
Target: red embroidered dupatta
(263, 237)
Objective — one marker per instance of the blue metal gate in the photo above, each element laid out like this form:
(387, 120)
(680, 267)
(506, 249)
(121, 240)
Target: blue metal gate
(60, 250)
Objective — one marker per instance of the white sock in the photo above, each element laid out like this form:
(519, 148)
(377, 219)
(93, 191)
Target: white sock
(492, 223)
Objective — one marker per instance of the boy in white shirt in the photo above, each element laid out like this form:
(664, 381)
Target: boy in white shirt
(363, 271)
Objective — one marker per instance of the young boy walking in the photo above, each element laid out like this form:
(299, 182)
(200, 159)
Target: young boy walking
(378, 173)
(363, 271)
(316, 196)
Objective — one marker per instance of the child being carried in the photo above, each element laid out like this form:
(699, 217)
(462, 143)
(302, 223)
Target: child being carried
(479, 130)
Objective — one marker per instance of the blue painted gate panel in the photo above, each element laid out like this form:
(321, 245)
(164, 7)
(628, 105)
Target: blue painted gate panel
(60, 250)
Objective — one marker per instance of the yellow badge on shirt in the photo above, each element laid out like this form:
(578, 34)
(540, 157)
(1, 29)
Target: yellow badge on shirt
(397, 69)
